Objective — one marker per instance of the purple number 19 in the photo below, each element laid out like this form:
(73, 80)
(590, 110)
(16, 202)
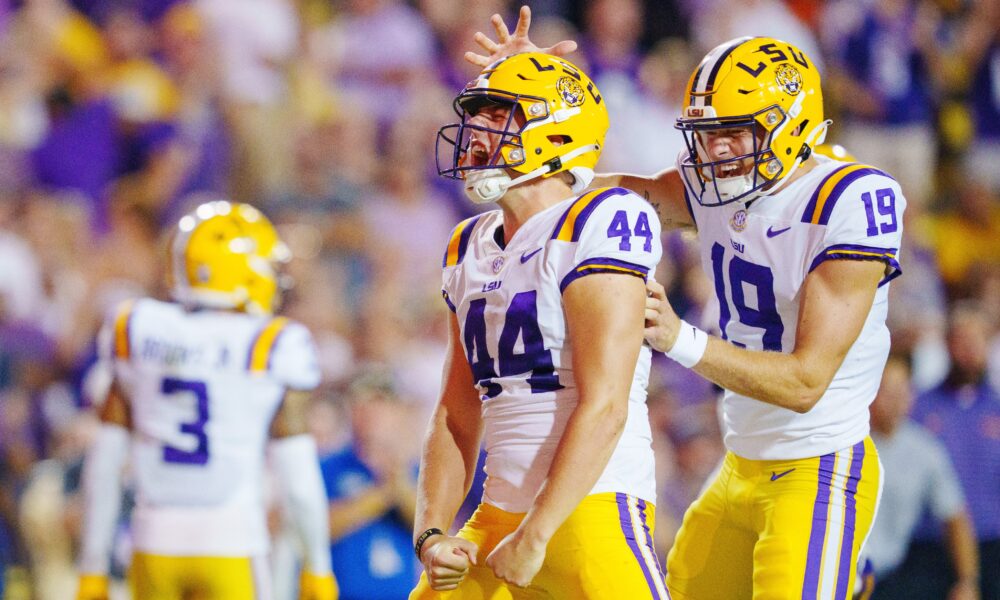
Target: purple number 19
(764, 315)
(198, 456)
(885, 202)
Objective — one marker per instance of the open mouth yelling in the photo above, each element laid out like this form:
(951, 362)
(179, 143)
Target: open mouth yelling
(732, 169)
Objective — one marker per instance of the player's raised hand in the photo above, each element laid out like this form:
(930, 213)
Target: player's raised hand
(516, 560)
(446, 561)
(508, 44)
(662, 323)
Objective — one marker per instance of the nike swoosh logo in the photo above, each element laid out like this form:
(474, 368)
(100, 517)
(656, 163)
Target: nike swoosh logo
(527, 255)
(777, 476)
(771, 232)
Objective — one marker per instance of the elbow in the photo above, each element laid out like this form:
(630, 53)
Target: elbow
(615, 416)
(803, 400)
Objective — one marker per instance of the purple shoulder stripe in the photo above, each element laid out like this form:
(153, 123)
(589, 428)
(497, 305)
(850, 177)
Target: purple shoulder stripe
(603, 265)
(889, 256)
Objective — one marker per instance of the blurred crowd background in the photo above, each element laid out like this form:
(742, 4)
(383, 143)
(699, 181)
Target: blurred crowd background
(117, 116)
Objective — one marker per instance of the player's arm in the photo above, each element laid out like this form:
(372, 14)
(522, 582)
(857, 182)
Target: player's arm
(102, 492)
(605, 333)
(447, 468)
(293, 452)
(835, 301)
(664, 190)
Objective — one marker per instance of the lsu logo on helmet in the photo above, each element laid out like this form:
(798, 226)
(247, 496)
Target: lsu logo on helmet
(571, 91)
(788, 78)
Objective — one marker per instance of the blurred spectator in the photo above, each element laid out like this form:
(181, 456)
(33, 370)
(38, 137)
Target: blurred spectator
(984, 94)
(919, 304)
(966, 234)
(371, 484)
(879, 79)
(378, 52)
(716, 21)
(918, 477)
(964, 413)
(254, 41)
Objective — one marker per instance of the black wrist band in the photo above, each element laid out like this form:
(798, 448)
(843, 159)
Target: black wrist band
(423, 538)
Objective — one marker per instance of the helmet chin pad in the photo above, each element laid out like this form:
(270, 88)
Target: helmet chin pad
(487, 185)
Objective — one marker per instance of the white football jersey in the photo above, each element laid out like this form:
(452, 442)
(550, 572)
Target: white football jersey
(508, 301)
(203, 387)
(759, 256)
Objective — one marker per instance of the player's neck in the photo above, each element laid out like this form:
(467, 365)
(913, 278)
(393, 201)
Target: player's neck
(525, 201)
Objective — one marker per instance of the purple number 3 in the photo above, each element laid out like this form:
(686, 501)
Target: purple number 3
(199, 456)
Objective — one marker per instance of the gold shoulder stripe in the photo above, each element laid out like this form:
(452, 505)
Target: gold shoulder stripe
(122, 320)
(263, 345)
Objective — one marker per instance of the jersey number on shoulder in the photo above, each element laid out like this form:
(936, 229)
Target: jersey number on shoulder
(198, 456)
(620, 228)
(744, 274)
(885, 203)
(521, 322)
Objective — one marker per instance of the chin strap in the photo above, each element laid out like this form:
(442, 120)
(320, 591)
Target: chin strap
(489, 185)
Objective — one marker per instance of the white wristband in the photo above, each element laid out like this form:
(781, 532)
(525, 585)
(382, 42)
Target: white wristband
(689, 346)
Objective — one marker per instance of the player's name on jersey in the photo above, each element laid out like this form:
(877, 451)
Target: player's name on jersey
(170, 353)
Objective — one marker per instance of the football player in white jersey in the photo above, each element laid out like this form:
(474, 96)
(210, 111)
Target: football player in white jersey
(202, 388)
(546, 365)
(800, 249)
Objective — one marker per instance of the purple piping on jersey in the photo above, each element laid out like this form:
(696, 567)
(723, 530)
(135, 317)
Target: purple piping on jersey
(447, 301)
(856, 252)
(602, 265)
(625, 517)
(817, 536)
(850, 500)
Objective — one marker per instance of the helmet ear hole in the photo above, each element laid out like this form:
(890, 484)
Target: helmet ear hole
(560, 140)
(801, 129)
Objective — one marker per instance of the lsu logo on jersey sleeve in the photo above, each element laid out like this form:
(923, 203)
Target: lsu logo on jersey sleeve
(861, 208)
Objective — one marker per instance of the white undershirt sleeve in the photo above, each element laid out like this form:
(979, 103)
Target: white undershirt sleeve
(297, 469)
(102, 489)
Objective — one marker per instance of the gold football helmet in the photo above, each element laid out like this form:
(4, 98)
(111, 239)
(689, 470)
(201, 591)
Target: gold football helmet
(227, 255)
(557, 124)
(762, 83)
